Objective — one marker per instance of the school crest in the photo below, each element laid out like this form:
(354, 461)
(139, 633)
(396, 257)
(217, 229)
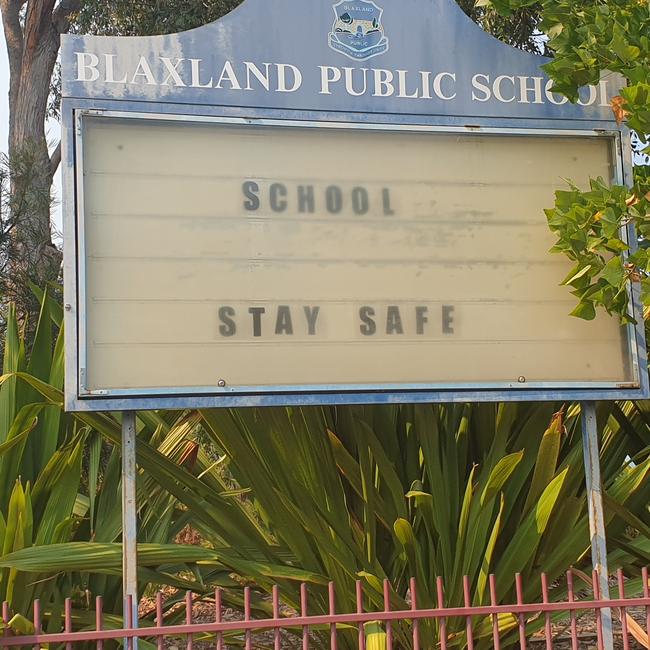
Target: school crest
(358, 31)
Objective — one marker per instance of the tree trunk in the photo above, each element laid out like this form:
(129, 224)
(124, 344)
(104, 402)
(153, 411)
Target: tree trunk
(32, 48)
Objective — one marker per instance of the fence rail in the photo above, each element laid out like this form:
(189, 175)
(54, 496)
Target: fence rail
(519, 624)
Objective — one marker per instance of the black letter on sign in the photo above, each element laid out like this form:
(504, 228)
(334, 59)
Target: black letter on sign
(283, 324)
(311, 313)
(370, 327)
(360, 200)
(250, 189)
(306, 201)
(277, 194)
(448, 319)
(228, 328)
(421, 318)
(394, 321)
(334, 198)
(388, 211)
(257, 319)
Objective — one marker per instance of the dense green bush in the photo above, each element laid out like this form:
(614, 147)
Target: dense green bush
(318, 494)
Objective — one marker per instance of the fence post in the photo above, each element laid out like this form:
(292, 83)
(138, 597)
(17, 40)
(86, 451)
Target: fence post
(129, 523)
(590, 447)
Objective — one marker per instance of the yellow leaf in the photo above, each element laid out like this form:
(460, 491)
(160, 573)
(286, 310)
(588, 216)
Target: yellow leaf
(20, 625)
(375, 636)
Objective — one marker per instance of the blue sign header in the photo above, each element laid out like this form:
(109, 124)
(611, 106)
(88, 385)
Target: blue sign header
(410, 57)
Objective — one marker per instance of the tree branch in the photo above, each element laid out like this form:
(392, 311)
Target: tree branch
(55, 158)
(10, 10)
(61, 15)
(38, 17)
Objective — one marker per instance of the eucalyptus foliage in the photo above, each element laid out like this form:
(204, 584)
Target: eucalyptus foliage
(146, 17)
(589, 39)
(520, 28)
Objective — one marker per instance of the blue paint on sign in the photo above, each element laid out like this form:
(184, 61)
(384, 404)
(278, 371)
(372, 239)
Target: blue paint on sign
(398, 57)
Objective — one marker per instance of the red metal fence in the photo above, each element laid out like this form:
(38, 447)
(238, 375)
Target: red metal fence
(522, 625)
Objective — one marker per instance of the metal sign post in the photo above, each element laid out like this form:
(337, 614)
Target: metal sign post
(597, 534)
(129, 521)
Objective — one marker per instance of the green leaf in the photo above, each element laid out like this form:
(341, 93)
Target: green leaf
(499, 475)
(406, 537)
(585, 310)
(573, 276)
(547, 458)
(484, 574)
(526, 539)
(625, 514)
(102, 558)
(93, 475)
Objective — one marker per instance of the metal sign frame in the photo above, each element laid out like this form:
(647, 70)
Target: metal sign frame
(78, 398)
(163, 92)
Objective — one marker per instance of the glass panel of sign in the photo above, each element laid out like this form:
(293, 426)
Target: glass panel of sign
(274, 256)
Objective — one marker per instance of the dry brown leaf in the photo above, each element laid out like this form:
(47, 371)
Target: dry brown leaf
(633, 200)
(559, 416)
(620, 113)
(633, 272)
(189, 455)
(189, 536)
(583, 576)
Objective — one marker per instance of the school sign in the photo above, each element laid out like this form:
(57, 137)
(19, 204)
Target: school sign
(310, 202)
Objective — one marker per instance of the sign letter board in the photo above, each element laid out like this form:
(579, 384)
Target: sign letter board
(347, 212)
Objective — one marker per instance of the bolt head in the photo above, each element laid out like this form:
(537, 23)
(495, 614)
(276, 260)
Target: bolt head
(68, 306)
(522, 380)
(221, 383)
